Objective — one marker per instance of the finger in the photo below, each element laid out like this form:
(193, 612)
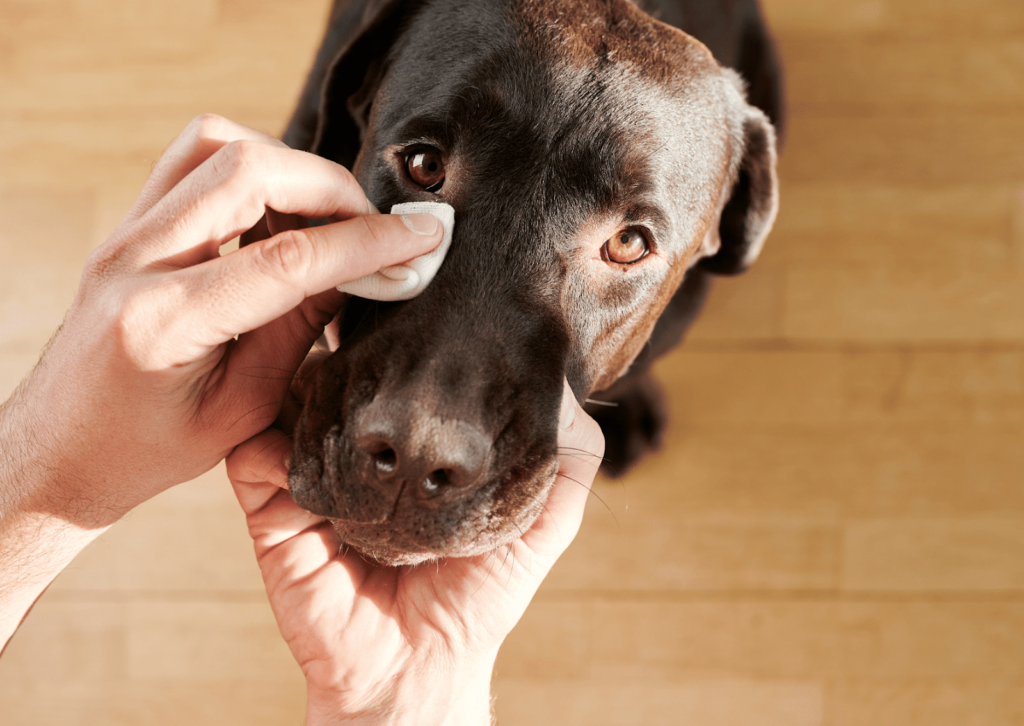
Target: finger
(230, 191)
(240, 292)
(258, 473)
(581, 448)
(201, 139)
(258, 470)
(263, 364)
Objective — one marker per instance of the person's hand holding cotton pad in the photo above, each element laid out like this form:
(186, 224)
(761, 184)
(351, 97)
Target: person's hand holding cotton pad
(406, 281)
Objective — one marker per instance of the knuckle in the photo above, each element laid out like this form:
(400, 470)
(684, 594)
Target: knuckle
(207, 126)
(315, 315)
(131, 331)
(372, 235)
(101, 264)
(289, 256)
(114, 258)
(239, 158)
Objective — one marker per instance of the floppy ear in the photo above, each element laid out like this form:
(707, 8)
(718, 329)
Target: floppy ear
(334, 108)
(750, 212)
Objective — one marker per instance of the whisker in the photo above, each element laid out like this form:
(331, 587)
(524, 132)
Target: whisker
(581, 454)
(609, 404)
(291, 375)
(511, 549)
(490, 569)
(596, 495)
(250, 413)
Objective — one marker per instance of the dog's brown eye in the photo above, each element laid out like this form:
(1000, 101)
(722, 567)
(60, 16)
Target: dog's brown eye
(626, 247)
(426, 168)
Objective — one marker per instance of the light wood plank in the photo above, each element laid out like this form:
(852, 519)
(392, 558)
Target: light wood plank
(955, 227)
(818, 476)
(893, 74)
(974, 554)
(908, 18)
(129, 703)
(693, 702)
(44, 240)
(925, 703)
(904, 149)
(646, 550)
(837, 386)
(83, 643)
(859, 303)
(761, 638)
(205, 642)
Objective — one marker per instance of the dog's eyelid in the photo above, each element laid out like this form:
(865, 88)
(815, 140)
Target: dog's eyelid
(648, 217)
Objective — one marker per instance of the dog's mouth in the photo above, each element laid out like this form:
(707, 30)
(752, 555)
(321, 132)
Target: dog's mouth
(416, 454)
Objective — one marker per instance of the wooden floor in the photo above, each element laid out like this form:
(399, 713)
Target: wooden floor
(834, 534)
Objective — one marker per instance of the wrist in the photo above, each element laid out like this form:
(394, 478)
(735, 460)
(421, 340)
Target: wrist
(36, 541)
(430, 695)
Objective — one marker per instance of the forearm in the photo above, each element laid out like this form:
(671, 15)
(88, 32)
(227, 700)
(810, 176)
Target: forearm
(34, 549)
(417, 699)
(36, 542)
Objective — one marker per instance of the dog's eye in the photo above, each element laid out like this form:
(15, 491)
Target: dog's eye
(626, 247)
(426, 168)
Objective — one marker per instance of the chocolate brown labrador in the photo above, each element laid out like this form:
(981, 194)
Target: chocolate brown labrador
(603, 165)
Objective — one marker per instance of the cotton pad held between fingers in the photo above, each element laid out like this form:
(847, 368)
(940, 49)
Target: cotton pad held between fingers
(406, 281)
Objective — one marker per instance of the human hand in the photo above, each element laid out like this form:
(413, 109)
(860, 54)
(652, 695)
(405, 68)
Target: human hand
(413, 644)
(145, 385)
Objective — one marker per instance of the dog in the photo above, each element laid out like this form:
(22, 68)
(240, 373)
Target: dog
(603, 164)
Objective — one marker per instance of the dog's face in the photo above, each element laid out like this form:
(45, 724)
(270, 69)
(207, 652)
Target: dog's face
(589, 153)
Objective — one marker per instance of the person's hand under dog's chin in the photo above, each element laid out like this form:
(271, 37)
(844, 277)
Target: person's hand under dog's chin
(434, 630)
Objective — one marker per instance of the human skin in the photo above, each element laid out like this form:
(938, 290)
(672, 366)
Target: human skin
(172, 357)
(145, 385)
(434, 629)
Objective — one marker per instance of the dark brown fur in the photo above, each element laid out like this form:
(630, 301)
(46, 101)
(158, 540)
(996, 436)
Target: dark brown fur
(432, 431)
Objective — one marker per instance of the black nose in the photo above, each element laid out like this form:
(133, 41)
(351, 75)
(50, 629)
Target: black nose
(431, 458)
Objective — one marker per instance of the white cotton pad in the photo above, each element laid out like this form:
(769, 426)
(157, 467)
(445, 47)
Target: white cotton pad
(408, 280)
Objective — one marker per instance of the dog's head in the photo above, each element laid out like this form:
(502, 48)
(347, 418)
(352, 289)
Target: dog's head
(593, 155)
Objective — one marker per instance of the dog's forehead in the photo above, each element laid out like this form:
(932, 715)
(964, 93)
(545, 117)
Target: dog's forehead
(617, 112)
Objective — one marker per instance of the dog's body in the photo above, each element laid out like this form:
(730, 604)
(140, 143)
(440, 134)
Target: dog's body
(602, 165)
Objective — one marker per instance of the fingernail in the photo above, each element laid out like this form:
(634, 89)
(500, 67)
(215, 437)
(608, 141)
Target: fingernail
(567, 415)
(370, 209)
(287, 462)
(421, 223)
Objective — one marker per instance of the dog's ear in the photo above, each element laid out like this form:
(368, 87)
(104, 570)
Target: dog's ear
(750, 212)
(334, 108)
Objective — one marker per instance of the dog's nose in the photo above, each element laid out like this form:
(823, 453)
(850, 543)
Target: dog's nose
(430, 458)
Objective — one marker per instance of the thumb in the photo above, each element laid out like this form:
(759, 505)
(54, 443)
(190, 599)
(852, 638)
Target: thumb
(580, 451)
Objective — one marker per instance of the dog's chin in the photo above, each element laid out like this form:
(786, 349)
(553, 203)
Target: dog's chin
(388, 543)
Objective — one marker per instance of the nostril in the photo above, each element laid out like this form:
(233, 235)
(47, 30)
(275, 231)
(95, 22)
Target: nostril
(385, 461)
(435, 483)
